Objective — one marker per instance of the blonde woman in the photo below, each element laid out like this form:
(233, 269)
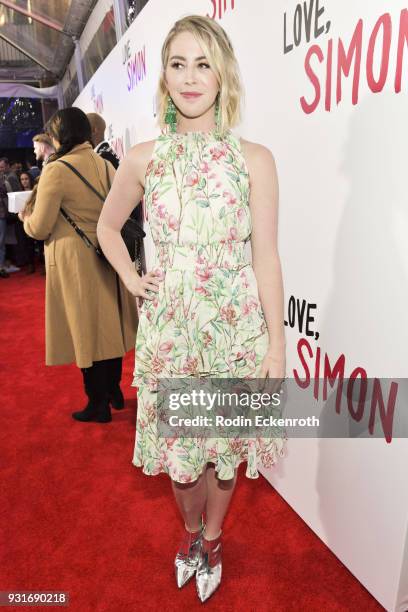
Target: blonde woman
(205, 310)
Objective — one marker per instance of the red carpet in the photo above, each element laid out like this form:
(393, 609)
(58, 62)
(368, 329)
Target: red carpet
(78, 517)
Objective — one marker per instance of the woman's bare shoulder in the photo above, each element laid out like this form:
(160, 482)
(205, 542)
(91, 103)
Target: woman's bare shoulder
(259, 160)
(142, 151)
(254, 151)
(139, 157)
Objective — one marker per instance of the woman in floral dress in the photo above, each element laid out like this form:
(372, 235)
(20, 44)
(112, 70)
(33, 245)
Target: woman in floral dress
(206, 311)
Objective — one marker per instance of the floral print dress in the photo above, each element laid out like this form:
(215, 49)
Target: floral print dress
(206, 319)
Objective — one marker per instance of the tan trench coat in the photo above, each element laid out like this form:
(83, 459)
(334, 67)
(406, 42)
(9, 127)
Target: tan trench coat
(84, 322)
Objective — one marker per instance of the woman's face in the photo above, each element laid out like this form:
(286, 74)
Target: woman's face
(25, 181)
(188, 72)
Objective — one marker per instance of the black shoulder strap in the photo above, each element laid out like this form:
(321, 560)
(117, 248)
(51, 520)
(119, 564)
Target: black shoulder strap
(78, 230)
(83, 179)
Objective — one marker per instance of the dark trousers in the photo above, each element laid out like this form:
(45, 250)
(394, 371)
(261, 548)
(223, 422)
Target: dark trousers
(102, 379)
(24, 251)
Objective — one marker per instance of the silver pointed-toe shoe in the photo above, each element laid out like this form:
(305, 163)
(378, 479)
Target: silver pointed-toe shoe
(188, 556)
(208, 575)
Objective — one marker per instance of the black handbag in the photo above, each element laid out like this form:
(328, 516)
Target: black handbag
(132, 233)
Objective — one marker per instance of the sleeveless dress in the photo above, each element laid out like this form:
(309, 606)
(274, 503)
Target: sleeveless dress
(206, 319)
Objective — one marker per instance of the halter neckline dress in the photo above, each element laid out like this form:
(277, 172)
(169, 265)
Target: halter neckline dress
(206, 319)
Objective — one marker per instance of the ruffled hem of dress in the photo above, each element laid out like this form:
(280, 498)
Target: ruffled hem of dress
(139, 380)
(224, 472)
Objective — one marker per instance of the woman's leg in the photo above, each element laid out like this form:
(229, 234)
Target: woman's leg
(191, 498)
(219, 493)
(209, 569)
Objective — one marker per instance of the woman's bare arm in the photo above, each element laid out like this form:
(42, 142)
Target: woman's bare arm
(264, 198)
(126, 192)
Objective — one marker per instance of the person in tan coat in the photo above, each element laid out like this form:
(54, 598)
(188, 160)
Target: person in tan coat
(91, 319)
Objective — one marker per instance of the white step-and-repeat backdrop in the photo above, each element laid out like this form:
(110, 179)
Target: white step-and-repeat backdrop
(326, 90)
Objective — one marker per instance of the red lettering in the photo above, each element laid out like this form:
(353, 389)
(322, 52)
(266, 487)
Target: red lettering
(386, 416)
(316, 374)
(220, 12)
(309, 108)
(357, 414)
(344, 61)
(385, 22)
(402, 40)
(327, 103)
(303, 383)
(142, 59)
(330, 375)
(336, 373)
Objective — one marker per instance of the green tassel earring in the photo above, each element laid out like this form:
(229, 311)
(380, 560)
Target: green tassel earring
(171, 115)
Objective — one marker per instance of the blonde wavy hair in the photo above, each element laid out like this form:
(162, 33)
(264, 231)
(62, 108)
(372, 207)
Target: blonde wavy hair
(219, 52)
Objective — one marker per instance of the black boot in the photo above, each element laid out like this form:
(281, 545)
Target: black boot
(116, 396)
(96, 387)
(89, 413)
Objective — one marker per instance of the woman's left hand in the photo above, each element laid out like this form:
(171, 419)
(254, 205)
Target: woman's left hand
(21, 216)
(273, 367)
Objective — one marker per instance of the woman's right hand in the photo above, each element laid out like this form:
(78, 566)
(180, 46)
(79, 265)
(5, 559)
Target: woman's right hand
(140, 286)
